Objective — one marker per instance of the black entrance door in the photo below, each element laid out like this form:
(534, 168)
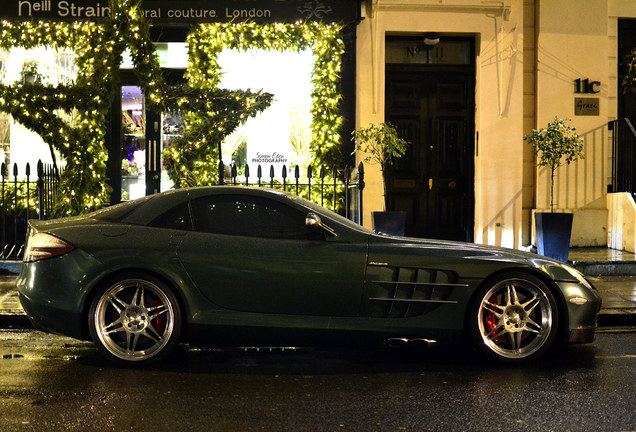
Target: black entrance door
(433, 108)
(626, 43)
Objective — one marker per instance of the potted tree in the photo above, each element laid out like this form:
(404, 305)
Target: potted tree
(382, 145)
(555, 145)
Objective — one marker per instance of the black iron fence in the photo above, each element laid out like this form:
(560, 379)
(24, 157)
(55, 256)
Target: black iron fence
(623, 156)
(337, 190)
(24, 197)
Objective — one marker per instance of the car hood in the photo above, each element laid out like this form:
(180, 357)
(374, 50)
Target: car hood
(476, 260)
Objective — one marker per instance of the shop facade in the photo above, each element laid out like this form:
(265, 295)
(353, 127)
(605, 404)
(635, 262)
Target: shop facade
(280, 58)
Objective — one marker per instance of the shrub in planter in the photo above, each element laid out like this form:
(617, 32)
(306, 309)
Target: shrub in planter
(382, 145)
(555, 145)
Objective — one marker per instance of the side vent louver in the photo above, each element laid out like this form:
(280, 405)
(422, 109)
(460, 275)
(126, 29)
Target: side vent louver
(401, 292)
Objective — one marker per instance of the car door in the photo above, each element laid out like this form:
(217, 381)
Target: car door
(254, 254)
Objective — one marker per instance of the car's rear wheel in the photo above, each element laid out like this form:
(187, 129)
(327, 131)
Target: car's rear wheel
(514, 318)
(135, 319)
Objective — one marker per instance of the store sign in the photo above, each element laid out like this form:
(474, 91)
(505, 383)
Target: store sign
(586, 106)
(170, 11)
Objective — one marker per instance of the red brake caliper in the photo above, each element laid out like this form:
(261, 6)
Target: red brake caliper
(491, 320)
(157, 322)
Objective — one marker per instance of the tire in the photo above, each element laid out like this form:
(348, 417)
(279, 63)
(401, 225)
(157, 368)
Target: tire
(514, 318)
(135, 320)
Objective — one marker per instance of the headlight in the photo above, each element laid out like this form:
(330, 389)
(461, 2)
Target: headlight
(579, 276)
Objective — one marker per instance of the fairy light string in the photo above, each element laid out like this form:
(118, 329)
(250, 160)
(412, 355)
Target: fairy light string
(210, 113)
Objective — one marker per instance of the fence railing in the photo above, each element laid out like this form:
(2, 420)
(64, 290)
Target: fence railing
(340, 191)
(22, 198)
(623, 156)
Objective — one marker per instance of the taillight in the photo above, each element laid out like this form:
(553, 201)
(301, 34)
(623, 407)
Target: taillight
(41, 246)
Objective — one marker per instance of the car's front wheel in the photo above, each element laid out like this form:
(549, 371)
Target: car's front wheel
(514, 318)
(135, 319)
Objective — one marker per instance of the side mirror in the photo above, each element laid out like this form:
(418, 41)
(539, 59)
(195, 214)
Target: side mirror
(313, 221)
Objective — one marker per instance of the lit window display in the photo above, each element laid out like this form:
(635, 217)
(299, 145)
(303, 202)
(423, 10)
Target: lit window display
(136, 139)
(18, 66)
(281, 134)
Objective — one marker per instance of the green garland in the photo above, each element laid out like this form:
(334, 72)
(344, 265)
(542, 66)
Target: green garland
(83, 184)
(327, 45)
(629, 81)
(210, 115)
(99, 48)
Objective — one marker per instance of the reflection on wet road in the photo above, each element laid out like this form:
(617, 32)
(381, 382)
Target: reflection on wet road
(53, 383)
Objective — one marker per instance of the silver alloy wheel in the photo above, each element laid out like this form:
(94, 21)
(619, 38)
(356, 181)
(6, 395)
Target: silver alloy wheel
(515, 318)
(134, 320)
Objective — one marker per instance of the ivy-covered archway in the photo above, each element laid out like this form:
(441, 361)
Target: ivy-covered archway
(211, 113)
(190, 161)
(99, 47)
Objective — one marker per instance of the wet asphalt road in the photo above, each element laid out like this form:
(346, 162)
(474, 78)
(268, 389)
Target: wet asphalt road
(49, 383)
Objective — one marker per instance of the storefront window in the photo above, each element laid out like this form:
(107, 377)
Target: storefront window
(146, 134)
(133, 165)
(139, 145)
(44, 65)
(281, 134)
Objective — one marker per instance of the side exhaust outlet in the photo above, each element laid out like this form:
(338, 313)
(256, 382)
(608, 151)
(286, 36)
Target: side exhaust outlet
(421, 343)
(397, 342)
(415, 343)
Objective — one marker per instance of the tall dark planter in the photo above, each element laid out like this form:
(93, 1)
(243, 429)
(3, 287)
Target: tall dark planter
(391, 223)
(553, 234)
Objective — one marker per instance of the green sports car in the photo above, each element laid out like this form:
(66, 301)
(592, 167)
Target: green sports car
(234, 266)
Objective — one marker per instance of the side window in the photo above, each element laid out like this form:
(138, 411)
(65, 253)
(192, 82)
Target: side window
(241, 215)
(177, 218)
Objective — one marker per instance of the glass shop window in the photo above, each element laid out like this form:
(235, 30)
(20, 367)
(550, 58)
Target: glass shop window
(281, 134)
(44, 65)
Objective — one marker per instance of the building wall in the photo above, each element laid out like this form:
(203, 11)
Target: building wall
(529, 54)
(573, 44)
(498, 31)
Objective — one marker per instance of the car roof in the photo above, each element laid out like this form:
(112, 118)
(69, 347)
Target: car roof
(155, 205)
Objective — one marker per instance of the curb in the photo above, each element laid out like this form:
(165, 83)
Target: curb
(606, 268)
(15, 322)
(617, 320)
(10, 267)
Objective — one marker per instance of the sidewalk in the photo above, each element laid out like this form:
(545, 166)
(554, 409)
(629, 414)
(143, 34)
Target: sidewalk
(613, 273)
